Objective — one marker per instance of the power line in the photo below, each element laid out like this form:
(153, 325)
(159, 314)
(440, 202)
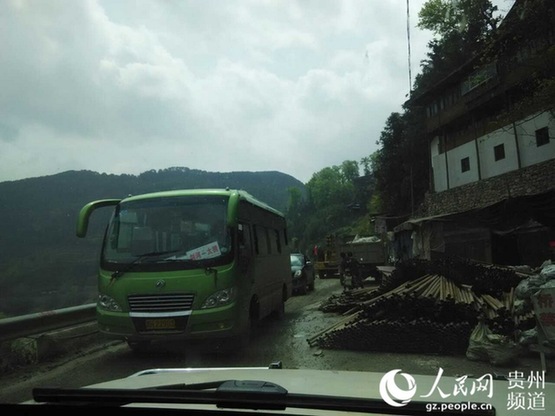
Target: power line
(408, 47)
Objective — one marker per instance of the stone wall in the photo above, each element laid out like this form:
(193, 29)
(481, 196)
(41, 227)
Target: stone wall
(531, 180)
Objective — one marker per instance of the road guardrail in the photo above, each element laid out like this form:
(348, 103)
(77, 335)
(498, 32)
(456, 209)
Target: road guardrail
(36, 323)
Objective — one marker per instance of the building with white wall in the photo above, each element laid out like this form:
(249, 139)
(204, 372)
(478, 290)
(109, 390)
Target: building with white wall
(517, 145)
(491, 132)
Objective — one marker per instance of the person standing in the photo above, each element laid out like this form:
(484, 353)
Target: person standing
(315, 252)
(354, 266)
(342, 267)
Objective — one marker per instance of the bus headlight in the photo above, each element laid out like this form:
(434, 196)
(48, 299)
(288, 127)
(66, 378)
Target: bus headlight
(220, 298)
(108, 303)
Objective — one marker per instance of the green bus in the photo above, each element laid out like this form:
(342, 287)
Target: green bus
(196, 265)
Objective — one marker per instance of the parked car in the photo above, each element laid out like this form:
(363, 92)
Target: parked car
(302, 271)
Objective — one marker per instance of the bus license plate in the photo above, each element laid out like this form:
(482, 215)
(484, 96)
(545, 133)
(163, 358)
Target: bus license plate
(160, 324)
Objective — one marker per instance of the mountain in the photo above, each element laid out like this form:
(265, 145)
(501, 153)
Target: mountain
(45, 266)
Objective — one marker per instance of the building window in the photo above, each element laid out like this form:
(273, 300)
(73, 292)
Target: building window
(542, 136)
(465, 164)
(499, 152)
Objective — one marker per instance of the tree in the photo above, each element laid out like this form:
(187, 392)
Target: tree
(333, 185)
(401, 165)
(461, 28)
(330, 195)
(366, 163)
(473, 19)
(296, 212)
(349, 171)
(528, 21)
(389, 164)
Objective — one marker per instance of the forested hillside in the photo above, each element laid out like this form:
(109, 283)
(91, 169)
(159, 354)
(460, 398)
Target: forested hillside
(45, 266)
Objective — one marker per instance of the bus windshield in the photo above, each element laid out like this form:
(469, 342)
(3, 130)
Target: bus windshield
(179, 230)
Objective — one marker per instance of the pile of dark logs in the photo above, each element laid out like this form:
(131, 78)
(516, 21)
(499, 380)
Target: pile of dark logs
(421, 310)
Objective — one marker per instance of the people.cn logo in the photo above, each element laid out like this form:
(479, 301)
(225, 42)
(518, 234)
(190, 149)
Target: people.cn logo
(392, 394)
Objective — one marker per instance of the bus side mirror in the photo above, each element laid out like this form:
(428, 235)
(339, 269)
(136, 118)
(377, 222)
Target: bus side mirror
(87, 210)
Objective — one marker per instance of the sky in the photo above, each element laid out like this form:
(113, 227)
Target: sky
(217, 85)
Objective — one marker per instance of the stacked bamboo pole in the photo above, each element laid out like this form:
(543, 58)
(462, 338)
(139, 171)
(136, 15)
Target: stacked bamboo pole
(434, 305)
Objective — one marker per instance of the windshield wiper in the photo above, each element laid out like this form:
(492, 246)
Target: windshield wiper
(238, 394)
(129, 266)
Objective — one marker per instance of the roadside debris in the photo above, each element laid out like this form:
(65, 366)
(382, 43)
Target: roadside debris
(430, 307)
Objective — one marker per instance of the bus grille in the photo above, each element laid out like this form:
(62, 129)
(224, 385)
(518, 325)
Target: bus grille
(160, 303)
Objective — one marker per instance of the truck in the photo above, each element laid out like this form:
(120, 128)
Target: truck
(368, 250)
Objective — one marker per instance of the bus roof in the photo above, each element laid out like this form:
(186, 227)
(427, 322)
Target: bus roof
(242, 194)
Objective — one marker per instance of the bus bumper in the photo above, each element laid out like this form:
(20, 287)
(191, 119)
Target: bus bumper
(205, 324)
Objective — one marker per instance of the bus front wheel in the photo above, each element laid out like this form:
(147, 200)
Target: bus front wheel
(244, 338)
(279, 312)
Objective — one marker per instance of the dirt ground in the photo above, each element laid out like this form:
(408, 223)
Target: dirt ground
(275, 340)
(306, 320)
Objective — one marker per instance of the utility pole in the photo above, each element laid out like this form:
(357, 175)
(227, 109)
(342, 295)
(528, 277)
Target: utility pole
(408, 47)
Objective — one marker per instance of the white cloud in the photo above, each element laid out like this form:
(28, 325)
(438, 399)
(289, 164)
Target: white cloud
(124, 87)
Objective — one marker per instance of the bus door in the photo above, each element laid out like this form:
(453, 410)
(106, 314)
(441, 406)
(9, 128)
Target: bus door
(245, 253)
(265, 270)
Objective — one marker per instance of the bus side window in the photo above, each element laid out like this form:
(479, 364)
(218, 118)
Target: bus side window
(278, 242)
(262, 243)
(245, 246)
(272, 244)
(268, 242)
(244, 239)
(255, 234)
